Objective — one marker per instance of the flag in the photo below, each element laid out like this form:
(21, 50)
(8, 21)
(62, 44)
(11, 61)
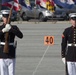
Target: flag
(70, 1)
(22, 3)
(64, 3)
(9, 3)
(25, 4)
(43, 2)
(74, 1)
(50, 5)
(37, 2)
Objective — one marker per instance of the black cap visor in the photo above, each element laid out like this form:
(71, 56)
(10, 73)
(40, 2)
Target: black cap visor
(5, 15)
(73, 18)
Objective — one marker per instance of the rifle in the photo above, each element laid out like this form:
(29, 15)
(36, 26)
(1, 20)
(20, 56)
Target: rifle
(6, 46)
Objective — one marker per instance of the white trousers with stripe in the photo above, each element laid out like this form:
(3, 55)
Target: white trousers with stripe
(71, 66)
(7, 66)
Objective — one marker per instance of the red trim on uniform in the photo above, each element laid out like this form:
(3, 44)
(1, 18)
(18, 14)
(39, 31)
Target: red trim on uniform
(63, 36)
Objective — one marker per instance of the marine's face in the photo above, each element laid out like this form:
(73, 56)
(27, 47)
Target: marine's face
(73, 22)
(4, 20)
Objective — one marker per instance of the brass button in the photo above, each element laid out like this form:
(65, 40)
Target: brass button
(74, 34)
(74, 31)
(74, 42)
(74, 37)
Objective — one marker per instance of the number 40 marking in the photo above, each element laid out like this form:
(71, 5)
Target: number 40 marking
(49, 40)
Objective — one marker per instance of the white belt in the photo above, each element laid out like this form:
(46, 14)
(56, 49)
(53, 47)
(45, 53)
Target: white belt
(3, 43)
(71, 44)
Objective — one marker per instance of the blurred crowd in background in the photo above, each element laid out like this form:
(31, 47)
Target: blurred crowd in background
(39, 9)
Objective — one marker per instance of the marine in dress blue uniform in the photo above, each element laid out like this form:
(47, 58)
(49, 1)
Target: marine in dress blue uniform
(68, 46)
(7, 60)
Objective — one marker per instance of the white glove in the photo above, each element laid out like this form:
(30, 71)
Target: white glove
(5, 30)
(63, 60)
(8, 26)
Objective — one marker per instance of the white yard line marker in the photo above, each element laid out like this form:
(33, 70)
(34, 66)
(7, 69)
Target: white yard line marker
(40, 61)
